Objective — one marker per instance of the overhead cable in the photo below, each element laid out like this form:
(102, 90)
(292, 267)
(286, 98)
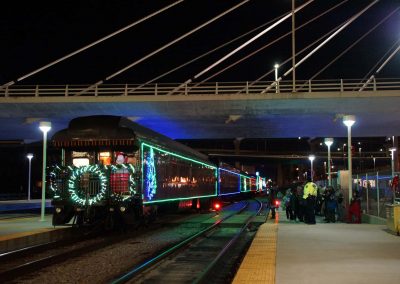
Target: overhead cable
(91, 44)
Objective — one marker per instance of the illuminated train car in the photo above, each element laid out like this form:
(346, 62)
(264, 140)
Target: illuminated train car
(114, 170)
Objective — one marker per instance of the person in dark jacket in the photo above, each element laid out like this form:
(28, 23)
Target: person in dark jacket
(331, 206)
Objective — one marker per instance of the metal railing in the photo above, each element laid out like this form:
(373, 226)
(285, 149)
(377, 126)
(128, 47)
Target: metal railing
(207, 88)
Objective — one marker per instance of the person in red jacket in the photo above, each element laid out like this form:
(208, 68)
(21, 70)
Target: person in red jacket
(354, 214)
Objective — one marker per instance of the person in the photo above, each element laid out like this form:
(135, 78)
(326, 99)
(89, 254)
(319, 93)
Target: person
(331, 206)
(341, 208)
(354, 214)
(299, 204)
(288, 199)
(310, 195)
(271, 201)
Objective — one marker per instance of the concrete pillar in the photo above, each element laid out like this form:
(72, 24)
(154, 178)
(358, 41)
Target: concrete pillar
(236, 143)
(279, 174)
(396, 154)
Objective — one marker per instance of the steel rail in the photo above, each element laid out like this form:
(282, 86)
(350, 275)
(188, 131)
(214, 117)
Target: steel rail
(201, 278)
(166, 252)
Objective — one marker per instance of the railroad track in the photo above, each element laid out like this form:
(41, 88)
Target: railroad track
(198, 257)
(32, 259)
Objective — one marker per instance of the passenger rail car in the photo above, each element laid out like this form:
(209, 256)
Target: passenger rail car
(114, 170)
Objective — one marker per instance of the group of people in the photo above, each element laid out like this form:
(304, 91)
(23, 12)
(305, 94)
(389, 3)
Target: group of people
(304, 202)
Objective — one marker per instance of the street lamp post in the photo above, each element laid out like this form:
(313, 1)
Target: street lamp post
(45, 127)
(392, 150)
(329, 142)
(276, 66)
(349, 120)
(29, 156)
(312, 158)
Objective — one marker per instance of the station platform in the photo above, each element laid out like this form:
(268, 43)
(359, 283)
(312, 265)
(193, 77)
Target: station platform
(21, 231)
(21, 205)
(289, 252)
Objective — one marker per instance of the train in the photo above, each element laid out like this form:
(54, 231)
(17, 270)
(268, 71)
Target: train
(114, 171)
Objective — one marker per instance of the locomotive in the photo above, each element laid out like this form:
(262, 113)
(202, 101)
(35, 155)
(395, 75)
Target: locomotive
(114, 170)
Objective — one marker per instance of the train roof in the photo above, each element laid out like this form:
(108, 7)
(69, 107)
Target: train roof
(108, 130)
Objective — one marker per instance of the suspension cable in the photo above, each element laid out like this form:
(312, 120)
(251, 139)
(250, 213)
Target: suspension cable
(352, 45)
(176, 40)
(91, 44)
(238, 48)
(206, 53)
(337, 30)
(298, 53)
(251, 40)
(381, 67)
(352, 19)
(272, 42)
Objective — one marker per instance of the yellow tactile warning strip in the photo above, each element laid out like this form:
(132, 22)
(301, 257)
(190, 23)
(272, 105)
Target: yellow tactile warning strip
(24, 234)
(259, 264)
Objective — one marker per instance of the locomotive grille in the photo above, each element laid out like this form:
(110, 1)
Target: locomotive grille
(89, 185)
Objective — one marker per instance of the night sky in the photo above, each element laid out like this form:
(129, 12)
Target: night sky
(34, 33)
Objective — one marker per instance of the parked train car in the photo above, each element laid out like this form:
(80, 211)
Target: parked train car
(114, 170)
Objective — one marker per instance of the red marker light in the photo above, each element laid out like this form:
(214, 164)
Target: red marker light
(217, 206)
(276, 202)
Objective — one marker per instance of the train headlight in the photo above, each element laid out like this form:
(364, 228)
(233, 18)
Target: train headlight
(111, 209)
(58, 210)
(122, 208)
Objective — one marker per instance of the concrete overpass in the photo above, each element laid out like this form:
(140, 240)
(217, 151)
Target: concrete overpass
(211, 110)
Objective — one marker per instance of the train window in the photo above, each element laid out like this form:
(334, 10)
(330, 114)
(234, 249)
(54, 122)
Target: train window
(80, 159)
(105, 158)
(79, 162)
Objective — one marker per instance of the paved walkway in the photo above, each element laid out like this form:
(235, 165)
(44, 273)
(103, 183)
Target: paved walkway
(336, 253)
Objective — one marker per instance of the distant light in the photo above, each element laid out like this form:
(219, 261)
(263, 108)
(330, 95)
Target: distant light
(359, 143)
(344, 145)
(339, 149)
(257, 173)
(45, 126)
(349, 120)
(311, 158)
(297, 169)
(392, 149)
(299, 137)
(320, 144)
(328, 141)
(276, 65)
(381, 149)
(29, 156)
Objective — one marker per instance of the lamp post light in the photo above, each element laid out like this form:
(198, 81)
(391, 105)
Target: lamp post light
(392, 150)
(312, 158)
(45, 127)
(276, 66)
(349, 120)
(373, 158)
(29, 156)
(328, 142)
